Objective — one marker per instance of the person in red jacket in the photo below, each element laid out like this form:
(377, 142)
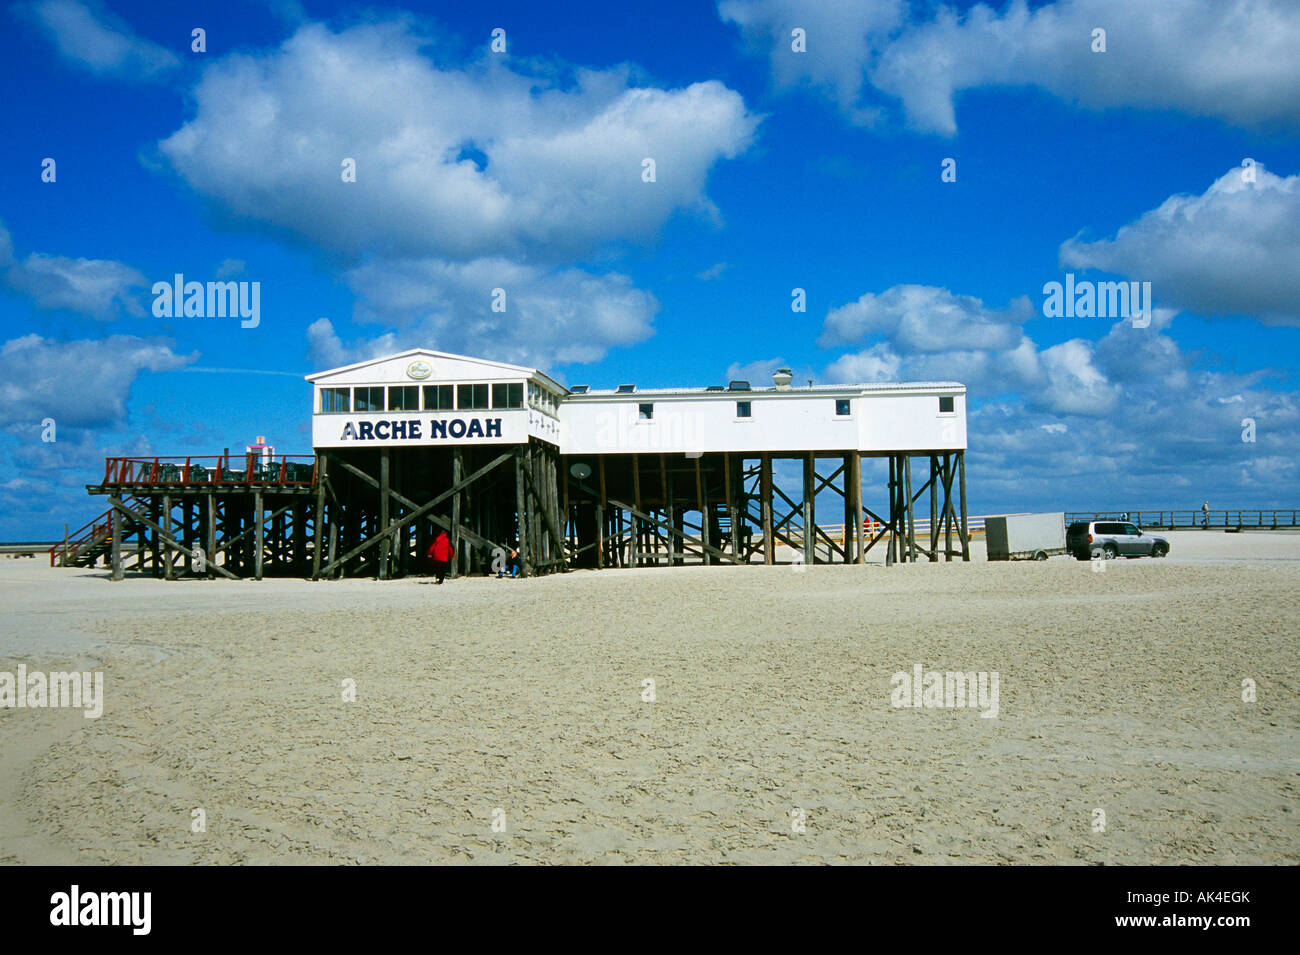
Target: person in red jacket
(440, 552)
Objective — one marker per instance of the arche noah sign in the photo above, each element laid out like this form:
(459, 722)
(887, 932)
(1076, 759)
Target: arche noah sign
(414, 429)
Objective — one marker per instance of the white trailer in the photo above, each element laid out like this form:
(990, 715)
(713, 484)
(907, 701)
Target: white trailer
(1025, 536)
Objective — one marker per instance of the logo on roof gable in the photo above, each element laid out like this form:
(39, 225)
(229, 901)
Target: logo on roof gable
(419, 369)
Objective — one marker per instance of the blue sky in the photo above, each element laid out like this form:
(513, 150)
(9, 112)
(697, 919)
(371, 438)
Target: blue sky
(775, 170)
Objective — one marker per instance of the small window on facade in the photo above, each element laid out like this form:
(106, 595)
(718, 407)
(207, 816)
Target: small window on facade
(438, 398)
(335, 399)
(508, 395)
(404, 398)
(843, 406)
(368, 399)
(472, 397)
(945, 404)
(743, 409)
(646, 412)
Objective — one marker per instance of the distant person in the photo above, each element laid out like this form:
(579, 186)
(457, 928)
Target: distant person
(1205, 515)
(509, 564)
(440, 552)
(1124, 516)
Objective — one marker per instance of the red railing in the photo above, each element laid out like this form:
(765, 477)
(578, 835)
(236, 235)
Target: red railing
(81, 537)
(215, 469)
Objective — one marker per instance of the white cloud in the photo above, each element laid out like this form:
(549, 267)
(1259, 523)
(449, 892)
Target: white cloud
(98, 288)
(1233, 250)
(1229, 60)
(918, 318)
(840, 37)
(498, 173)
(557, 316)
(78, 383)
(92, 37)
(1120, 409)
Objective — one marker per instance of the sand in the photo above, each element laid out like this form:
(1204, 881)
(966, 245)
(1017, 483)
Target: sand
(1119, 690)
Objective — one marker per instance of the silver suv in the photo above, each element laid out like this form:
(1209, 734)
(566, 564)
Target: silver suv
(1109, 539)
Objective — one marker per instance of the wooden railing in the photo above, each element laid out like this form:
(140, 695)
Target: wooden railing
(250, 469)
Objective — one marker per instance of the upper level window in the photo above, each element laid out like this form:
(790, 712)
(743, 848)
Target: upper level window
(744, 409)
(646, 412)
(438, 398)
(368, 399)
(335, 399)
(508, 395)
(472, 397)
(404, 398)
(843, 406)
(945, 404)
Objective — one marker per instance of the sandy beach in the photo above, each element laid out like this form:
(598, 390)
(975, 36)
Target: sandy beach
(1120, 691)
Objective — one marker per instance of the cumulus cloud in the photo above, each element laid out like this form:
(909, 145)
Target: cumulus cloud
(495, 173)
(1121, 407)
(91, 37)
(1228, 60)
(1233, 250)
(98, 288)
(841, 37)
(555, 316)
(919, 318)
(78, 383)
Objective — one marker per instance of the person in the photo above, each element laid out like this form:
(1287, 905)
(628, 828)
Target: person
(1205, 515)
(440, 552)
(512, 562)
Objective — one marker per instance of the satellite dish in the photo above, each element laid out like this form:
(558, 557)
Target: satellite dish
(581, 471)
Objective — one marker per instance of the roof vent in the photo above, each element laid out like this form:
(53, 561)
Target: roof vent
(578, 390)
(782, 378)
(738, 385)
(626, 389)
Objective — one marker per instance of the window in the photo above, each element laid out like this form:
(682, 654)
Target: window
(471, 397)
(438, 398)
(1132, 530)
(368, 399)
(508, 395)
(843, 407)
(646, 412)
(945, 404)
(335, 399)
(744, 409)
(404, 398)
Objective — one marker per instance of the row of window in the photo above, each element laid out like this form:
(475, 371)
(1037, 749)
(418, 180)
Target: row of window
(504, 395)
(745, 409)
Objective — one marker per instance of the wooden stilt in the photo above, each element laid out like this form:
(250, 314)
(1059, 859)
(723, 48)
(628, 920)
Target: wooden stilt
(934, 510)
(259, 529)
(318, 528)
(210, 545)
(765, 503)
(809, 520)
(115, 528)
(457, 466)
(600, 518)
(965, 533)
(521, 515)
(635, 557)
(384, 551)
